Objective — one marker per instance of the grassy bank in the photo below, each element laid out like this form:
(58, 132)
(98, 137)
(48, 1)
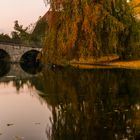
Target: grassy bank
(132, 64)
(105, 62)
(117, 64)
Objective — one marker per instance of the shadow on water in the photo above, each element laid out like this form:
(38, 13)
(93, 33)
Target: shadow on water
(92, 104)
(4, 67)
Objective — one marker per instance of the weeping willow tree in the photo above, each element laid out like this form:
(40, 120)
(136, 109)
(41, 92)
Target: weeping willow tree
(89, 28)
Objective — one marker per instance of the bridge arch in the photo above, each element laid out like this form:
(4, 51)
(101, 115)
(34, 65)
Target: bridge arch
(29, 62)
(30, 56)
(4, 56)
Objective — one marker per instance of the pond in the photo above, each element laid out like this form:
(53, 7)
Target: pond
(69, 104)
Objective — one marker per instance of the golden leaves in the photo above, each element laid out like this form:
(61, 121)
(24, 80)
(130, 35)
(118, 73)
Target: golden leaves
(84, 24)
(135, 6)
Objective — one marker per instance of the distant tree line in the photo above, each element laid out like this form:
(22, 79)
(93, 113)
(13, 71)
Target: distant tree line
(22, 35)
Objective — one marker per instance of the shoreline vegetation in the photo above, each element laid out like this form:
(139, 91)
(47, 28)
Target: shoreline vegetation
(105, 62)
(130, 64)
(86, 33)
(112, 63)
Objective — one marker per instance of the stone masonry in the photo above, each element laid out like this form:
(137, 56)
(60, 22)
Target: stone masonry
(16, 51)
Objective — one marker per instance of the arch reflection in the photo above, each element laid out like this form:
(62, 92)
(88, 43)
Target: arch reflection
(4, 67)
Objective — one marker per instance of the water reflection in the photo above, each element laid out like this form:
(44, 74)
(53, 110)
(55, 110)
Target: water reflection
(97, 104)
(4, 67)
(18, 70)
(31, 67)
(24, 115)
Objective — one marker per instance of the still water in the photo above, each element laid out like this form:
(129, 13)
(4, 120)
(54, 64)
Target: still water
(69, 104)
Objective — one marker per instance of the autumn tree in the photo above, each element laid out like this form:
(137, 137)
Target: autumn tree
(135, 6)
(38, 34)
(88, 28)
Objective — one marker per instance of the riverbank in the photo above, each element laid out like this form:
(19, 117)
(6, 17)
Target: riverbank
(131, 64)
(135, 64)
(106, 62)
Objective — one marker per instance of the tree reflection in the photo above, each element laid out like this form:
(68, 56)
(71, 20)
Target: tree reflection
(90, 104)
(96, 104)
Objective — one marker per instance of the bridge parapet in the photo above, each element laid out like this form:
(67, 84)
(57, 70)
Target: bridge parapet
(18, 44)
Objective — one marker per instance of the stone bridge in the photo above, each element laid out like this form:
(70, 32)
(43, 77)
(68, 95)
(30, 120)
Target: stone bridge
(15, 51)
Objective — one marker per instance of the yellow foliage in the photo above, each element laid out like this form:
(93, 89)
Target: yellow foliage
(88, 28)
(135, 5)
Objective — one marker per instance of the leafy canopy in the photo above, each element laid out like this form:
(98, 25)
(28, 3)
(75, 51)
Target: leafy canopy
(89, 28)
(135, 5)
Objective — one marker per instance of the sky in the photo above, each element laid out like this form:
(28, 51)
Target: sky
(25, 11)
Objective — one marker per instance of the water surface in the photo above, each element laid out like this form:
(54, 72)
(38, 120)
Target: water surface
(70, 104)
